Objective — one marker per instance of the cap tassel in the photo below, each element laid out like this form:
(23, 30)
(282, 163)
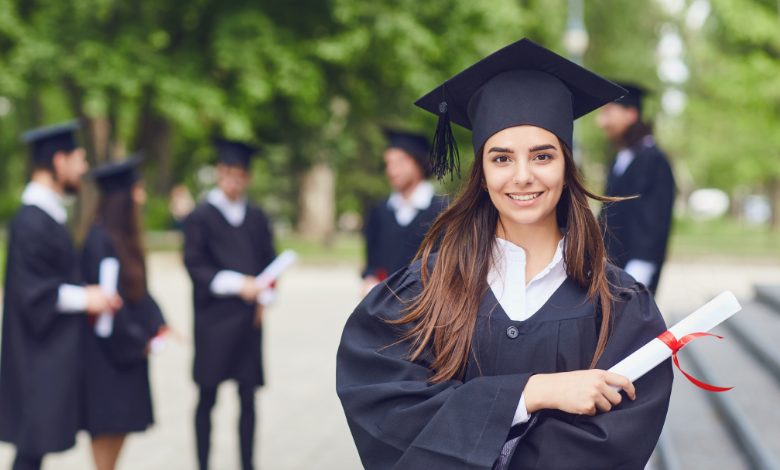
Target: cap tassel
(445, 157)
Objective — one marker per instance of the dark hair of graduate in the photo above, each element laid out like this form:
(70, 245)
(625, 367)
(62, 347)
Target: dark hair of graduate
(443, 317)
(118, 213)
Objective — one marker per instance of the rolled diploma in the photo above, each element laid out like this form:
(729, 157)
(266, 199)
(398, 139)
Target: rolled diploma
(707, 317)
(109, 276)
(276, 268)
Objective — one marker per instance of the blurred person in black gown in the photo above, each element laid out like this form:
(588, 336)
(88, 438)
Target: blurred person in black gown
(394, 228)
(636, 231)
(44, 305)
(117, 396)
(491, 350)
(227, 242)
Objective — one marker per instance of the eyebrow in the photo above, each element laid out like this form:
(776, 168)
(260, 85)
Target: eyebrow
(537, 148)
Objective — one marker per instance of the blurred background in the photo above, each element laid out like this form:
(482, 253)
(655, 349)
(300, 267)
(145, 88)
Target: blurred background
(313, 82)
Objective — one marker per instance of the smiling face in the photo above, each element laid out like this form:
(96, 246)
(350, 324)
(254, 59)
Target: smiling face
(524, 175)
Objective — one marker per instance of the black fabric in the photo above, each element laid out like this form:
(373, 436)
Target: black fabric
(27, 462)
(44, 142)
(227, 344)
(231, 152)
(632, 99)
(639, 228)
(246, 425)
(206, 401)
(391, 246)
(117, 395)
(399, 420)
(119, 176)
(40, 362)
(523, 83)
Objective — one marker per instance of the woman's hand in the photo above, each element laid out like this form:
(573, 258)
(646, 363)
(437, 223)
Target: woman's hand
(581, 392)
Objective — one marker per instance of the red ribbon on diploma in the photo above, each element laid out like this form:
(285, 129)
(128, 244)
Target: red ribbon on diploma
(675, 345)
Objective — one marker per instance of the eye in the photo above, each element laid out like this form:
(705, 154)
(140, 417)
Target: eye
(543, 157)
(501, 159)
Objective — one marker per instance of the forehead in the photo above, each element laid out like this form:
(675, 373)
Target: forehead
(521, 136)
(396, 154)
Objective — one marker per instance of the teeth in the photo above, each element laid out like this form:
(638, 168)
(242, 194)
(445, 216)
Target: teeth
(524, 197)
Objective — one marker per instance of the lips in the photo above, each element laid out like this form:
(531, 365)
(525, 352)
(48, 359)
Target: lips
(524, 197)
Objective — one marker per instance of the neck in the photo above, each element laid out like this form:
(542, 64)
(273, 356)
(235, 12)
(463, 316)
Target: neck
(406, 192)
(539, 242)
(45, 178)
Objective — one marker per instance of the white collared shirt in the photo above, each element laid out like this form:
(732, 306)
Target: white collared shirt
(622, 161)
(70, 298)
(45, 199)
(233, 211)
(520, 300)
(506, 278)
(406, 209)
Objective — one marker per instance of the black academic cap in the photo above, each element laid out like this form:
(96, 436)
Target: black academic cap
(521, 84)
(415, 145)
(44, 142)
(117, 176)
(230, 152)
(633, 99)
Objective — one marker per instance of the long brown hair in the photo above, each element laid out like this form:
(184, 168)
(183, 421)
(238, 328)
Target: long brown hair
(443, 316)
(118, 213)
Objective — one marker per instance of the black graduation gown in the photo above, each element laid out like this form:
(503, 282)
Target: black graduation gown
(639, 228)
(227, 345)
(398, 420)
(40, 362)
(391, 246)
(117, 396)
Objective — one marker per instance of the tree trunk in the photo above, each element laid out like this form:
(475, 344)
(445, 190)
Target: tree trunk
(153, 138)
(317, 197)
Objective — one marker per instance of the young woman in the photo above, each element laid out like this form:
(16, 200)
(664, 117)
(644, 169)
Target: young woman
(117, 396)
(490, 351)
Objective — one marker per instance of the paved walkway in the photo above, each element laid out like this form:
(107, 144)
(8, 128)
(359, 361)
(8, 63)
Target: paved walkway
(300, 421)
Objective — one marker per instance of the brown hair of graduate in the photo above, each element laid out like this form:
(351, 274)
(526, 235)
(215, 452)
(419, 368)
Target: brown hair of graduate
(118, 213)
(443, 316)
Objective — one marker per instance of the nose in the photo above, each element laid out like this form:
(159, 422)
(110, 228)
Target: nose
(523, 175)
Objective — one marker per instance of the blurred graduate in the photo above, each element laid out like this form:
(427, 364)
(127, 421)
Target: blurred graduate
(395, 227)
(491, 350)
(636, 231)
(44, 306)
(227, 243)
(117, 396)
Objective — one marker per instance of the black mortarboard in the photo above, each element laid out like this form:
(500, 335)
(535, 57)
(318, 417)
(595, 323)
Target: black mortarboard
(633, 99)
(415, 145)
(230, 152)
(521, 84)
(117, 176)
(44, 142)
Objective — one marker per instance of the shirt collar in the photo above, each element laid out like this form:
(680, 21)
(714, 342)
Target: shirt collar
(233, 211)
(505, 250)
(46, 199)
(420, 198)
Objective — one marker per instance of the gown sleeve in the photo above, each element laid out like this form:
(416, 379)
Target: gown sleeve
(37, 277)
(370, 236)
(196, 259)
(623, 438)
(397, 418)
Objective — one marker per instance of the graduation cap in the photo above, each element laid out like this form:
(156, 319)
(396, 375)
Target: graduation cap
(230, 152)
(117, 176)
(521, 84)
(633, 99)
(415, 145)
(44, 142)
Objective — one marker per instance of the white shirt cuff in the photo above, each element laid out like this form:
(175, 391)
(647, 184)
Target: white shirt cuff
(521, 414)
(71, 299)
(641, 270)
(227, 283)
